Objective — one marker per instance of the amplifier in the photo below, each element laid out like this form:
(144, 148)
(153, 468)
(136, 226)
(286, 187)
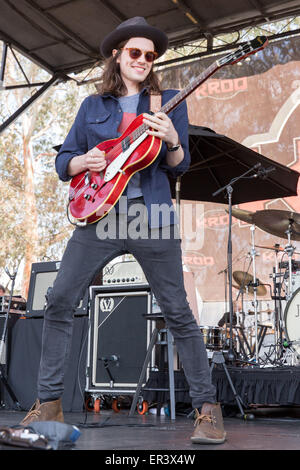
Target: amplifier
(119, 336)
(124, 272)
(42, 277)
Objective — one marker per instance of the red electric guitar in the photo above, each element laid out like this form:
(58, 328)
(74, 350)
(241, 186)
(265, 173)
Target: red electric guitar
(92, 194)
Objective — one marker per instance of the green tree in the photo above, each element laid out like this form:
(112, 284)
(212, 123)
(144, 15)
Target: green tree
(34, 225)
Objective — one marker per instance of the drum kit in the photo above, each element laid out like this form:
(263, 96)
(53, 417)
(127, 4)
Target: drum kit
(264, 336)
(17, 305)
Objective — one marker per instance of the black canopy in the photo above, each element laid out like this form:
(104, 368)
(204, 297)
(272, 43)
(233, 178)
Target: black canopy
(64, 35)
(217, 159)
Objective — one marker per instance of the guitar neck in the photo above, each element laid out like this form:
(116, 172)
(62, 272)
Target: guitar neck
(179, 97)
(250, 47)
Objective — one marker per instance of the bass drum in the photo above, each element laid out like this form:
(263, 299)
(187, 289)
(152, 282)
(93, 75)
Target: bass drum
(292, 321)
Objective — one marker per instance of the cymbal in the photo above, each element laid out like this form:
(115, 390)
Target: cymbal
(243, 279)
(241, 214)
(277, 222)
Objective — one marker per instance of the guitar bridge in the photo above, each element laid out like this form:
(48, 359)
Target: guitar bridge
(87, 178)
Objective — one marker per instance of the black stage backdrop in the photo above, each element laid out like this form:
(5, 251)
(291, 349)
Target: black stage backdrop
(24, 357)
(263, 386)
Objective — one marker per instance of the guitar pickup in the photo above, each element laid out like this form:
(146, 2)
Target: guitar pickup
(125, 144)
(116, 165)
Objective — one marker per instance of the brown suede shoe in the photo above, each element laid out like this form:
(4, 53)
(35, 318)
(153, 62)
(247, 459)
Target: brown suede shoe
(209, 425)
(48, 411)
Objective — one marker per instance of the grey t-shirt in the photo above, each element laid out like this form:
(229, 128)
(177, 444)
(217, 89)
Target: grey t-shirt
(129, 104)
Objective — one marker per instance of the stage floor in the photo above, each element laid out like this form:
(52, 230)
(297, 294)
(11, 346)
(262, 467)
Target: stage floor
(277, 429)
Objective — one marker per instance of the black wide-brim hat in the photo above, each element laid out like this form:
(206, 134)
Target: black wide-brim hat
(134, 28)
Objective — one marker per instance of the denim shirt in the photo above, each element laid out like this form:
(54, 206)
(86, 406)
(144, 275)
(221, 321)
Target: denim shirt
(98, 119)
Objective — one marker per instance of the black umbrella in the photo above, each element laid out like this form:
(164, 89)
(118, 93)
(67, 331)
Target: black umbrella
(217, 159)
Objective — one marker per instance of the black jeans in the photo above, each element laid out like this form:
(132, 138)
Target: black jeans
(161, 262)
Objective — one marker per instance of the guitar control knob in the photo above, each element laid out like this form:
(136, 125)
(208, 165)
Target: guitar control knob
(87, 197)
(94, 186)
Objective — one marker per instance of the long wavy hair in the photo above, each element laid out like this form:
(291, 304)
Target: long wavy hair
(112, 82)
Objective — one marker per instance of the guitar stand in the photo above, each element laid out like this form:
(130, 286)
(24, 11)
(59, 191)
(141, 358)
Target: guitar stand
(218, 358)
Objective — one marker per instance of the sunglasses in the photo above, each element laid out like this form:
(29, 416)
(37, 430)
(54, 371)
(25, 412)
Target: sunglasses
(135, 53)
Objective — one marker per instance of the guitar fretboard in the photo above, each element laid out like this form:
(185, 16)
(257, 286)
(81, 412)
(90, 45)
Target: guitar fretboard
(179, 97)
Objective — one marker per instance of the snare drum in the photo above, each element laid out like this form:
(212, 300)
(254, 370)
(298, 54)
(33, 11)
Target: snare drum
(205, 333)
(213, 337)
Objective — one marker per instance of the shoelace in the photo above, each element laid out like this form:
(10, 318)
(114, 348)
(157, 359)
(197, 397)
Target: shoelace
(33, 414)
(204, 418)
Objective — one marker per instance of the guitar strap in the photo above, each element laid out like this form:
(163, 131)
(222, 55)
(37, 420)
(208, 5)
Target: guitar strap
(155, 103)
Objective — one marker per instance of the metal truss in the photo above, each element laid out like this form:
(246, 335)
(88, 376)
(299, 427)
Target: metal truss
(205, 47)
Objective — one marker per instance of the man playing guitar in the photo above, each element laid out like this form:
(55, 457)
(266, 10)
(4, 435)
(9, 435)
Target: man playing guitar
(128, 83)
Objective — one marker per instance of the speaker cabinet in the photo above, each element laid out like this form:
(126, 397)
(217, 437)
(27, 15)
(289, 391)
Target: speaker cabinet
(119, 335)
(41, 279)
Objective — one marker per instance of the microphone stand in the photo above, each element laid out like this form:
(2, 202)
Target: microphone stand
(3, 377)
(229, 189)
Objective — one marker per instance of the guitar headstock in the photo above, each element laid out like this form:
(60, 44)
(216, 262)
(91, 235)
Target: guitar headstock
(249, 48)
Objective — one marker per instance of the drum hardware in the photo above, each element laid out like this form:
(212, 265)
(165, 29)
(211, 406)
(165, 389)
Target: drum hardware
(243, 341)
(218, 358)
(283, 224)
(261, 336)
(229, 192)
(249, 350)
(277, 297)
(290, 355)
(267, 352)
(278, 249)
(251, 312)
(295, 264)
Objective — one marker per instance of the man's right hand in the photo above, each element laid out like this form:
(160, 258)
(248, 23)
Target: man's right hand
(95, 160)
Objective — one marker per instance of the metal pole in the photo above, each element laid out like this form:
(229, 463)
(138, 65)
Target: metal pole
(3, 63)
(29, 102)
(253, 253)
